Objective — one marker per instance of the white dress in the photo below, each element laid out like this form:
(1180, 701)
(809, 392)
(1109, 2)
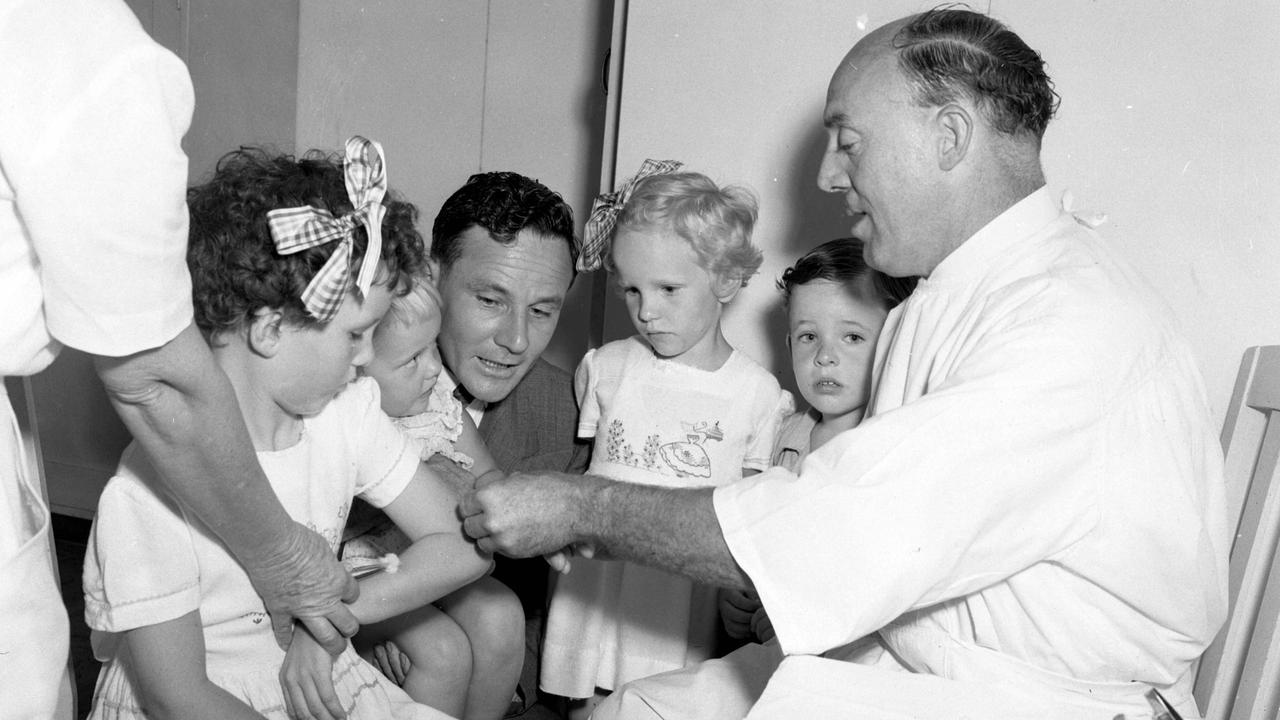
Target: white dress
(655, 422)
(148, 562)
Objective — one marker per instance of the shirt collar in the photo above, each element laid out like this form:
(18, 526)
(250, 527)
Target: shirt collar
(473, 405)
(975, 256)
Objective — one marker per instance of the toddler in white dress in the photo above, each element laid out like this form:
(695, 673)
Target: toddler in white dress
(674, 405)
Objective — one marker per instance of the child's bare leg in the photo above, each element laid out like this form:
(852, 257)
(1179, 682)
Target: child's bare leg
(439, 652)
(491, 615)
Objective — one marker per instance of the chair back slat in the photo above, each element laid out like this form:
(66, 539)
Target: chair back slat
(1239, 674)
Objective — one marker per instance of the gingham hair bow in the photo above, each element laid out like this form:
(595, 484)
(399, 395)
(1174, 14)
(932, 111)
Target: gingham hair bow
(299, 228)
(605, 210)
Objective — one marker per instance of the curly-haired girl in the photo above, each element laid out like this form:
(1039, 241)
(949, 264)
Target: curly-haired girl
(293, 264)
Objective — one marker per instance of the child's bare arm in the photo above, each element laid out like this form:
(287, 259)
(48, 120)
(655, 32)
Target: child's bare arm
(469, 443)
(441, 559)
(167, 662)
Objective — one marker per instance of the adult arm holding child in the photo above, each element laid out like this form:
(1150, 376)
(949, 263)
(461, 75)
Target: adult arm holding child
(180, 407)
(97, 224)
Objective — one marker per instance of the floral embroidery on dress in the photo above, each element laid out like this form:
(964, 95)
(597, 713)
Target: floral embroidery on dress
(685, 457)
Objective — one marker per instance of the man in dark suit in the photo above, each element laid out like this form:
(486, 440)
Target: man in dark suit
(503, 252)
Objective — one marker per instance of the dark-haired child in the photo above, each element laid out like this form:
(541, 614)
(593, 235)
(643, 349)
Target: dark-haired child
(293, 263)
(836, 305)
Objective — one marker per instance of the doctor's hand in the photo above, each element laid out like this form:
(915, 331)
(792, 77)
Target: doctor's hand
(525, 515)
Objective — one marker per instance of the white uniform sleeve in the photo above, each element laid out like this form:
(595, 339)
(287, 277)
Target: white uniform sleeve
(140, 568)
(976, 480)
(97, 166)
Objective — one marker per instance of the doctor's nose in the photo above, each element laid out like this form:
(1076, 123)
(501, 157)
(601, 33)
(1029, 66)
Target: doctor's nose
(833, 177)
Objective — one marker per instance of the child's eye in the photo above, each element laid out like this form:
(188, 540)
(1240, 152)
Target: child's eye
(412, 361)
(805, 337)
(669, 289)
(853, 338)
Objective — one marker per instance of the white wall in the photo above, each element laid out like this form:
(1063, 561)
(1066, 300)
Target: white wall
(453, 88)
(1167, 126)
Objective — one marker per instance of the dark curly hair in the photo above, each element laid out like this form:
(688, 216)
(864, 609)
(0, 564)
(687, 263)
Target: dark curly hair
(951, 52)
(503, 203)
(841, 261)
(235, 269)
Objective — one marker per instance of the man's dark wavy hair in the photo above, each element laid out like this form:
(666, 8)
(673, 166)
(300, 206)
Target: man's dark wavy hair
(503, 203)
(951, 52)
(235, 269)
(841, 261)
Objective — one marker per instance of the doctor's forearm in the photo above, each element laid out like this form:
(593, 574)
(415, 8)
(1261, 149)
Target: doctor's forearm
(672, 529)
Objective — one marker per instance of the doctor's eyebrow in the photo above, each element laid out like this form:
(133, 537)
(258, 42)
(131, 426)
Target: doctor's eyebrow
(835, 119)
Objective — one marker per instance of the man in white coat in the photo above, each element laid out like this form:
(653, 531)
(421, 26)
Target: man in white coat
(1031, 516)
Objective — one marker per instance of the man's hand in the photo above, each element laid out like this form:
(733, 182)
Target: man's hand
(525, 515)
(304, 580)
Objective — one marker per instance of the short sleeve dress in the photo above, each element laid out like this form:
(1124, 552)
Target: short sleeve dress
(149, 561)
(655, 422)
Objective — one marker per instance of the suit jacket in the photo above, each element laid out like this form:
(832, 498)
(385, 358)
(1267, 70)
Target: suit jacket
(536, 426)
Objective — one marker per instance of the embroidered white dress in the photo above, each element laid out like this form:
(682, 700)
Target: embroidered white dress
(654, 422)
(148, 561)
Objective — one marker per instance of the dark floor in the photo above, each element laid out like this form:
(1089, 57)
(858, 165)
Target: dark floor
(70, 535)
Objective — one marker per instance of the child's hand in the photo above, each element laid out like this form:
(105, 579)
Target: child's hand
(560, 559)
(307, 679)
(737, 607)
(391, 661)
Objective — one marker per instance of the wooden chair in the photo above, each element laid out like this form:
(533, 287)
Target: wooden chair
(1239, 674)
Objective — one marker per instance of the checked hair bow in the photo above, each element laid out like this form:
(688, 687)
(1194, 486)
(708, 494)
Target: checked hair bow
(299, 228)
(605, 210)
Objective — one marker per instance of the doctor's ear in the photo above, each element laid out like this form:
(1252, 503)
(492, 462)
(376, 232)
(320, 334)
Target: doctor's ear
(265, 331)
(955, 126)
